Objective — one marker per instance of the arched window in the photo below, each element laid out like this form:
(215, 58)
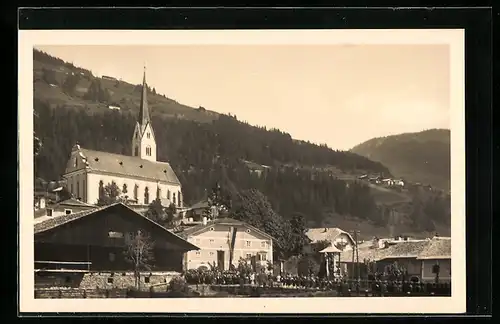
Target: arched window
(77, 188)
(136, 192)
(158, 192)
(101, 189)
(173, 198)
(168, 194)
(148, 135)
(179, 198)
(146, 196)
(124, 190)
(148, 150)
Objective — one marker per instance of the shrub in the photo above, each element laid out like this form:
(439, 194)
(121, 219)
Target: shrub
(178, 284)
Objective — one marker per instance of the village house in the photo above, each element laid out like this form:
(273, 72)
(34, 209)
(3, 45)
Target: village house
(140, 177)
(92, 244)
(65, 207)
(224, 241)
(336, 236)
(438, 252)
(416, 257)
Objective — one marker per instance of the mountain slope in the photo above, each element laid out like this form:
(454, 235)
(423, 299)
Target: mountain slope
(417, 157)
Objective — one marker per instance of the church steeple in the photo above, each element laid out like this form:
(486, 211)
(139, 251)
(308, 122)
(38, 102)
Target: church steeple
(143, 140)
(144, 118)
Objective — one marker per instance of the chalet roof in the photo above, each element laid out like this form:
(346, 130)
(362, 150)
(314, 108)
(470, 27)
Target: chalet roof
(192, 230)
(329, 234)
(53, 222)
(330, 249)
(125, 165)
(200, 204)
(438, 248)
(403, 249)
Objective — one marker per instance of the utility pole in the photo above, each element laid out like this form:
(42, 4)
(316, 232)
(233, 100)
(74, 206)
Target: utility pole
(356, 232)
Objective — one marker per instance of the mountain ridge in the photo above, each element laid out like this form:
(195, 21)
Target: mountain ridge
(422, 157)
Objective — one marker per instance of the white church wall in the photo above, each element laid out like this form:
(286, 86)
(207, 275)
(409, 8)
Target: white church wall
(93, 180)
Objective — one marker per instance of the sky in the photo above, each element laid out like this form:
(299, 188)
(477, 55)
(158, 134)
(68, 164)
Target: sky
(339, 95)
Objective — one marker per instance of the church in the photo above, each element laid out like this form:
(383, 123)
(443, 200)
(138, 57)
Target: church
(140, 177)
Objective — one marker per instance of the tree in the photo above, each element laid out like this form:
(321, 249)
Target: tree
(170, 214)
(155, 212)
(298, 236)
(139, 253)
(108, 194)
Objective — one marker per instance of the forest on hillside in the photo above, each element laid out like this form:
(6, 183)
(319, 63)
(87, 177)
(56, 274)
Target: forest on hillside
(204, 153)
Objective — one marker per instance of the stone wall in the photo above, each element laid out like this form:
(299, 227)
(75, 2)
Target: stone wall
(108, 280)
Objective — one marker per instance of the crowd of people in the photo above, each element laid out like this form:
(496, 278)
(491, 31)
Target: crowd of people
(263, 278)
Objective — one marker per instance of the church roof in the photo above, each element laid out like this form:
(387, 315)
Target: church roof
(125, 165)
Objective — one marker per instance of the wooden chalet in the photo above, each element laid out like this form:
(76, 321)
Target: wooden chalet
(96, 240)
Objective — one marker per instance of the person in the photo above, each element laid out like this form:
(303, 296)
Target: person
(252, 278)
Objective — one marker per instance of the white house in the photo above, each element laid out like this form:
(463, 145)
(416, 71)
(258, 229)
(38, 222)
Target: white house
(223, 241)
(334, 235)
(140, 177)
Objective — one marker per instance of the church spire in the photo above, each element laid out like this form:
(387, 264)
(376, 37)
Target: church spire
(144, 109)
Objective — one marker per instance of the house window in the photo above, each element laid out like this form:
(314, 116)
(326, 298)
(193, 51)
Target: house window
(211, 253)
(248, 243)
(146, 196)
(263, 244)
(148, 135)
(173, 198)
(101, 189)
(49, 212)
(112, 257)
(146, 279)
(179, 198)
(67, 211)
(263, 257)
(112, 234)
(158, 192)
(168, 194)
(212, 241)
(248, 255)
(198, 253)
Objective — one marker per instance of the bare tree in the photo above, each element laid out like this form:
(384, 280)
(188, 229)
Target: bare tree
(139, 252)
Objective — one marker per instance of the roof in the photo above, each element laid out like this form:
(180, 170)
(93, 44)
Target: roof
(403, 249)
(200, 204)
(125, 165)
(49, 223)
(73, 202)
(330, 249)
(192, 230)
(319, 234)
(438, 248)
(143, 108)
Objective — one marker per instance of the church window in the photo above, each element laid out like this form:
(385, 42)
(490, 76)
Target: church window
(158, 192)
(136, 192)
(148, 150)
(173, 198)
(148, 135)
(146, 196)
(168, 194)
(75, 163)
(179, 198)
(78, 189)
(124, 190)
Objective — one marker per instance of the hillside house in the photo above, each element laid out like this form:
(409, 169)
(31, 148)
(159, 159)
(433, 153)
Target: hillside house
(336, 236)
(438, 252)
(113, 107)
(224, 241)
(97, 239)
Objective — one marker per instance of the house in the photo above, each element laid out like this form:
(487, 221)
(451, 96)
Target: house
(224, 241)
(196, 212)
(114, 107)
(140, 177)
(98, 237)
(336, 236)
(65, 207)
(380, 253)
(438, 252)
